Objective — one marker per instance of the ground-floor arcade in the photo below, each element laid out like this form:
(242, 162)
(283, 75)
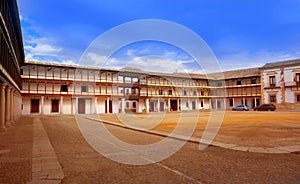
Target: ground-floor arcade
(10, 105)
(51, 104)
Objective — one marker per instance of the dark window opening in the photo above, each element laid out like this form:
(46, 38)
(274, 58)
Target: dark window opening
(195, 93)
(134, 104)
(230, 102)
(64, 88)
(170, 92)
(160, 92)
(297, 79)
(127, 104)
(272, 98)
(272, 81)
(187, 104)
(83, 89)
(298, 98)
(253, 81)
(238, 82)
(184, 93)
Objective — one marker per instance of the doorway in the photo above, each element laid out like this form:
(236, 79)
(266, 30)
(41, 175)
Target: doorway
(193, 105)
(108, 109)
(162, 106)
(54, 105)
(173, 104)
(151, 107)
(35, 106)
(81, 106)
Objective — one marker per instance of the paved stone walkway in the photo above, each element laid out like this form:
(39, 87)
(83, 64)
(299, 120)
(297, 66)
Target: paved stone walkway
(45, 166)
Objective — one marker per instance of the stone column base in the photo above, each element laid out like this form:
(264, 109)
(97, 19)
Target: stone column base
(2, 129)
(8, 124)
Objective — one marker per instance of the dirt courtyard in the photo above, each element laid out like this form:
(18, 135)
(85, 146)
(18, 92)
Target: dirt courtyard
(256, 129)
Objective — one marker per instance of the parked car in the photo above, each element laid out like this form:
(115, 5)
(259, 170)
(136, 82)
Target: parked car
(241, 108)
(265, 107)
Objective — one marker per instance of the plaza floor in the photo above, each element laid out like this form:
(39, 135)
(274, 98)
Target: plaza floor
(250, 147)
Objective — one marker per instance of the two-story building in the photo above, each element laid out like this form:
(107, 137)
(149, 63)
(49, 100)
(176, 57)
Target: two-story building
(11, 59)
(281, 83)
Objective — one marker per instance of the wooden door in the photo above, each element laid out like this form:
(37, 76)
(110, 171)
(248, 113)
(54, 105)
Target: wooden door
(55, 105)
(162, 106)
(35, 106)
(193, 105)
(81, 106)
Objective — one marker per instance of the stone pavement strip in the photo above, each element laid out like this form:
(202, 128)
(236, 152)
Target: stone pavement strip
(45, 166)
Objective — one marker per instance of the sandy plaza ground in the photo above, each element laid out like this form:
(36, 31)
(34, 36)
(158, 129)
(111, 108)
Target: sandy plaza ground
(250, 147)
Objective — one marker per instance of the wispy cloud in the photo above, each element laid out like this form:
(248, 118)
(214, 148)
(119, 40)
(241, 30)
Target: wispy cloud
(37, 46)
(248, 59)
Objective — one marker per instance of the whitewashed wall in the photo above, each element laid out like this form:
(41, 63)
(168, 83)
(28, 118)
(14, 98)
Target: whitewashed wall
(289, 96)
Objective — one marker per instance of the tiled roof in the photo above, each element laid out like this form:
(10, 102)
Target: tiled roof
(282, 63)
(235, 74)
(251, 72)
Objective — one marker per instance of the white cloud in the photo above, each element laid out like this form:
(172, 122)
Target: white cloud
(157, 64)
(37, 46)
(41, 48)
(246, 59)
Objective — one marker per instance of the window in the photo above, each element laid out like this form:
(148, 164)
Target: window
(230, 102)
(201, 103)
(297, 79)
(298, 97)
(195, 93)
(219, 83)
(134, 104)
(64, 88)
(273, 98)
(127, 104)
(238, 82)
(160, 92)
(253, 81)
(272, 81)
(170, 92)
(187, 104)
(201, 93)
(184, 92)
(83, 89)
(134, 91)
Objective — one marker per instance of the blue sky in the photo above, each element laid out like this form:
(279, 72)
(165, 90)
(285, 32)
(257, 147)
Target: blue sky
(241, 33)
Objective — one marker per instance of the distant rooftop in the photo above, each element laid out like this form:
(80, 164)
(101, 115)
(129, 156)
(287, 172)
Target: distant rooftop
(233, 74)
(282, 63)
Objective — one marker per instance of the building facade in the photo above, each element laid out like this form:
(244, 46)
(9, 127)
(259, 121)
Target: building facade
(281, 83)
(50, 88)
(11, 59)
